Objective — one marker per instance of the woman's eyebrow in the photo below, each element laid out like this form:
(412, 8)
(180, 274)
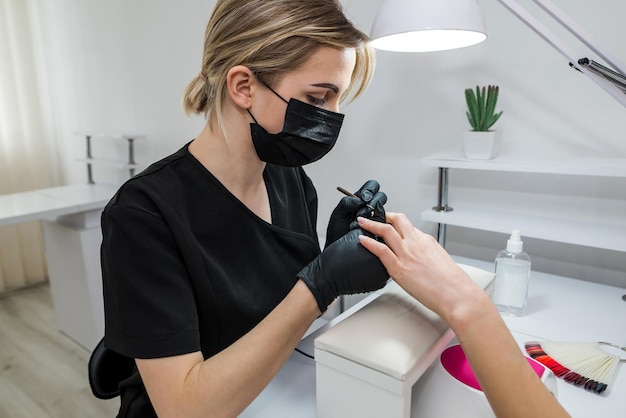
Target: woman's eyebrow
(327, 86)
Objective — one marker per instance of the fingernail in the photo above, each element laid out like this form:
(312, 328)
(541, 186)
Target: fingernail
(360, 219)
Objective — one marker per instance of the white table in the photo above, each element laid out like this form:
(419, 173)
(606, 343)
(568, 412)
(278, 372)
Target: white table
(53, 202)
(559, 309)
(70, 218)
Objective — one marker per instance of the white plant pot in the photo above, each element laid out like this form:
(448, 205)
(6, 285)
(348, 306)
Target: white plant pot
(481, 145)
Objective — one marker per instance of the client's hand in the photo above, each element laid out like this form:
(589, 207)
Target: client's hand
(344, 267)
(420, 265)
(343, 218)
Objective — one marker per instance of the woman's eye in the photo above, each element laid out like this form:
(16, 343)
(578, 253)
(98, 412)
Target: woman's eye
(316, 100)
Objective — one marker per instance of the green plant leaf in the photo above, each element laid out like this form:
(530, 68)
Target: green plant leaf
(492, 98)
(494, 119)
(472, 107)
(481, 106)
(482, 114)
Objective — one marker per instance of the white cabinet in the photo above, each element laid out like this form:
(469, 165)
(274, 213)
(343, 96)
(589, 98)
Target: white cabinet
(72, 251)
(606, 232)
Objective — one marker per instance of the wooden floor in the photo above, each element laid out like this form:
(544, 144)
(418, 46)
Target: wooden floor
(43, 373)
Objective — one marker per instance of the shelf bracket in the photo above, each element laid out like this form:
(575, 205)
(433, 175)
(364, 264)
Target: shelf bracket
(131, 155)
(89, 156)
(442, 203)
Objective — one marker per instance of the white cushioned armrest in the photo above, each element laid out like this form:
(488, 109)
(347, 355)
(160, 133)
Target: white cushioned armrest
(394, 333)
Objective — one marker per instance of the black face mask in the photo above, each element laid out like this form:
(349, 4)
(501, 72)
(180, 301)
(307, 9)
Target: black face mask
(308, 134)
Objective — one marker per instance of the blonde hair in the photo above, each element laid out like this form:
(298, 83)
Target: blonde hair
(271, 37)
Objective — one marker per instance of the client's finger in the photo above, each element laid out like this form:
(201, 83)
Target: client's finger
(382, 251)
(400, 223)
(383, 230)
(376, 228)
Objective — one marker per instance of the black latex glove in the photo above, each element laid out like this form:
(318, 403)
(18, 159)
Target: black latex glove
(344, 268)
(343, 218)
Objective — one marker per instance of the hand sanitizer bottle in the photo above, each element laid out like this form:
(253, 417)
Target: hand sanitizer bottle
(512, 276)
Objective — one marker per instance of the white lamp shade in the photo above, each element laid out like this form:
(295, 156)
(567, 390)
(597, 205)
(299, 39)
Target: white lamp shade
(427, 25)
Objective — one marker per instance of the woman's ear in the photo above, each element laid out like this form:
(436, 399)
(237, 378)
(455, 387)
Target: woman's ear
(241, 84)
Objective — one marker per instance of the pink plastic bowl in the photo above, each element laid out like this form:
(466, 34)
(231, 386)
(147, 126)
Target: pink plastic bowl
(454, 361)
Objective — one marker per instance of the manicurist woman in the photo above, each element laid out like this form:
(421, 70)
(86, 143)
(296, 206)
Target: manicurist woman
(212, 270)
(211, 265)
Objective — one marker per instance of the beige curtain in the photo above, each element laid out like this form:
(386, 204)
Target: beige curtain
(28, 156)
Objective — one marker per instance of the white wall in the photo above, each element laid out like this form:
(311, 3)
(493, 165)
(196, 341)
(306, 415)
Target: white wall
(122, 66)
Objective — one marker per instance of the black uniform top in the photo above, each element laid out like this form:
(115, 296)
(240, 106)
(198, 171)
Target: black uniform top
(186, 266)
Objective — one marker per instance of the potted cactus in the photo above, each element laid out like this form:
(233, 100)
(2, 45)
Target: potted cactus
(481, 142)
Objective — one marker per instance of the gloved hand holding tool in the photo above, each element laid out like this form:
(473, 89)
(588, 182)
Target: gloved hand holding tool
(367, 202)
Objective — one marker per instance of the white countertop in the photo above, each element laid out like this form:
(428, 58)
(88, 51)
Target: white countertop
(568, 310)
(559, 309)
(53, 202)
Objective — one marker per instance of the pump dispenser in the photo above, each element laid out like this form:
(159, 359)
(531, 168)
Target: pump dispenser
(512, 277)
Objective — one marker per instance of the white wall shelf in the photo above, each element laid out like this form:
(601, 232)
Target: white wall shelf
(609, 237)
(605, 167)
(108, 162)
(90, 161)
(551, 226)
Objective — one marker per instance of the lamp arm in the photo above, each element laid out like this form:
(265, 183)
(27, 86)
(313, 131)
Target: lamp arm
(547, 35)
(580, 33)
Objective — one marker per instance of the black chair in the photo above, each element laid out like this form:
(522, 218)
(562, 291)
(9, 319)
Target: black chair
(106, 370)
